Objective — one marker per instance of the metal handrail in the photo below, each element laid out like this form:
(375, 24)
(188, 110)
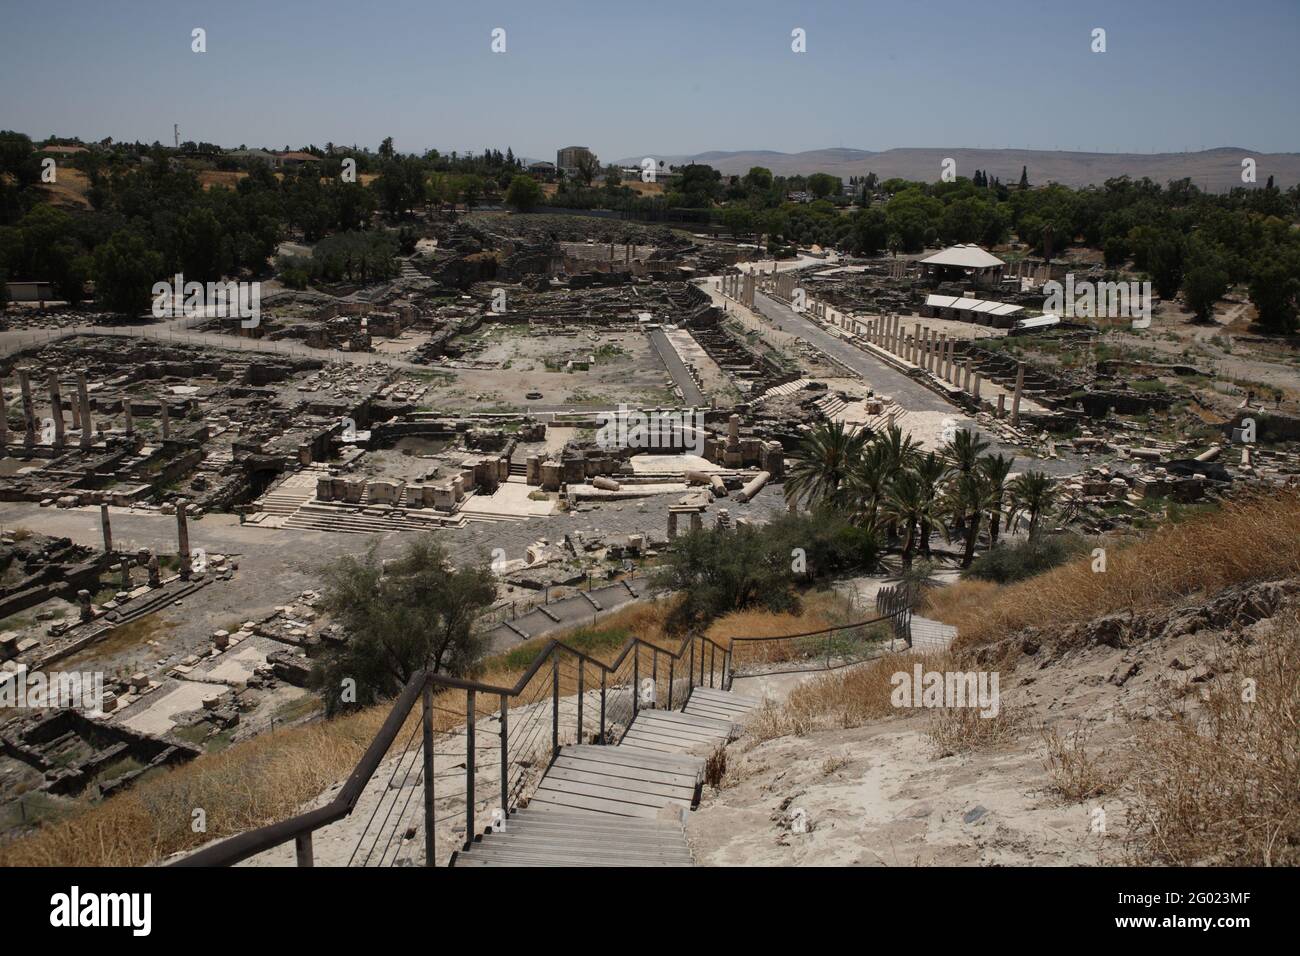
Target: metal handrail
(699, 655)
(300, 828)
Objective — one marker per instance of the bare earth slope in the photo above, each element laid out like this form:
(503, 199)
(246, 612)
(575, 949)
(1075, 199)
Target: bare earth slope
(885, 794)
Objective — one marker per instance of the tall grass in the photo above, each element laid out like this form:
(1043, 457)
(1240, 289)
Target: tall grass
(1255, 538)
(1220, 783)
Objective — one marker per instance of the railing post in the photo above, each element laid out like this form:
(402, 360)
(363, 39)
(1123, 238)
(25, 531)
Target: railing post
(654, 673)
(302, 848)
(505, 755)
(690, 669)
(469, 768)
(428, 775)
(636, 679)
(555, 702)
(582, 688)
(726, 668)
(602, 705)
(712, 649)
(670, 683)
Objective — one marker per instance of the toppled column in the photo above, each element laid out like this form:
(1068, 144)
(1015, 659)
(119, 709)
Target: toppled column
(605, 484)
(87, 425)
(29, 410)
(719, 488)
(56, 409)
(753, 486)
(183, 540)
(108, 529)
(1015, 400)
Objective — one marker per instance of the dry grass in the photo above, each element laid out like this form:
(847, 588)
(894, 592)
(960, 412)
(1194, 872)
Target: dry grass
(1075, 773)
(272, 776)
(1253, 539)
(1220, 783)
(960, 730)
(715, 766)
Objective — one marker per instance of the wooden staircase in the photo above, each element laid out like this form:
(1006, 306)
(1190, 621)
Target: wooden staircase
(619, 805)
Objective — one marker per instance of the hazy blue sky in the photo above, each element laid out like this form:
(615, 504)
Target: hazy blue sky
(668, 77)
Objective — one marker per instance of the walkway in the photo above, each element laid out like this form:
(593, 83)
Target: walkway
(619, 805)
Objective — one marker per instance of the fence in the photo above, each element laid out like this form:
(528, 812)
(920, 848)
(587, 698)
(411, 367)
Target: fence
(473, 753)
(823, 649)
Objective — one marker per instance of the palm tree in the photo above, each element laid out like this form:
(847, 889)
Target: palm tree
(972, 495)
(910, 504)
(996, 468)
(1032, 492)
(822, 464)
(868, 482)
(900, 449)
(932, 470)
(965, 450)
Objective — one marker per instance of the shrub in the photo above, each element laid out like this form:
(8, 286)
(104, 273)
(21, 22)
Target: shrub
(1025, 557)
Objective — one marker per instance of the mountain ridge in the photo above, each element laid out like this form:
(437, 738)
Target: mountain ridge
(1214, 169)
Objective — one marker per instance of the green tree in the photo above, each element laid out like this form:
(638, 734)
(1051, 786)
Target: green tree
(524, 193)
(1275, 288)
(1205, 282)
(1032, 493)
(417, 612)
(819, 471)
(125, 269)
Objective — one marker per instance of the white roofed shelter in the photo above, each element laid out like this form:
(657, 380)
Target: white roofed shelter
(966, 262)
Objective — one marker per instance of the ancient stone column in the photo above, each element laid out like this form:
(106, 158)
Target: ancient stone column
(56, 409)
(976, 393)
(965, 375)
(125, 568)
(1002, 404)
(733, 431)
(166, 421)
(29, 410)
(87, 426)
(108, 528)
(4, 422)
(697, 521)
(1015, 399)
(952, 361)
(183, 540)
(126, 411)
(672, 525)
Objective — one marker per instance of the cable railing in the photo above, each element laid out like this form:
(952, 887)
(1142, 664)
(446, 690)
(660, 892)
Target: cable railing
(455, 758)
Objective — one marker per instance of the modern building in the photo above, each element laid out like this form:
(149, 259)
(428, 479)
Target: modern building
(568, 158)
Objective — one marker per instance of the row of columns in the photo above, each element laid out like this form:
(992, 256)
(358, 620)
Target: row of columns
(81, 414)
(182, 537)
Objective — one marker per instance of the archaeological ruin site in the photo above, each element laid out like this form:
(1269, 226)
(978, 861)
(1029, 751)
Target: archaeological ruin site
(403, 505)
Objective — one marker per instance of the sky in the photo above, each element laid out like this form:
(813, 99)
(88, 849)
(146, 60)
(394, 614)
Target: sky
(632, 79)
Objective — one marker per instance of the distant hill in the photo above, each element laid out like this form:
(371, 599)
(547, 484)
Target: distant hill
(1211, 169)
